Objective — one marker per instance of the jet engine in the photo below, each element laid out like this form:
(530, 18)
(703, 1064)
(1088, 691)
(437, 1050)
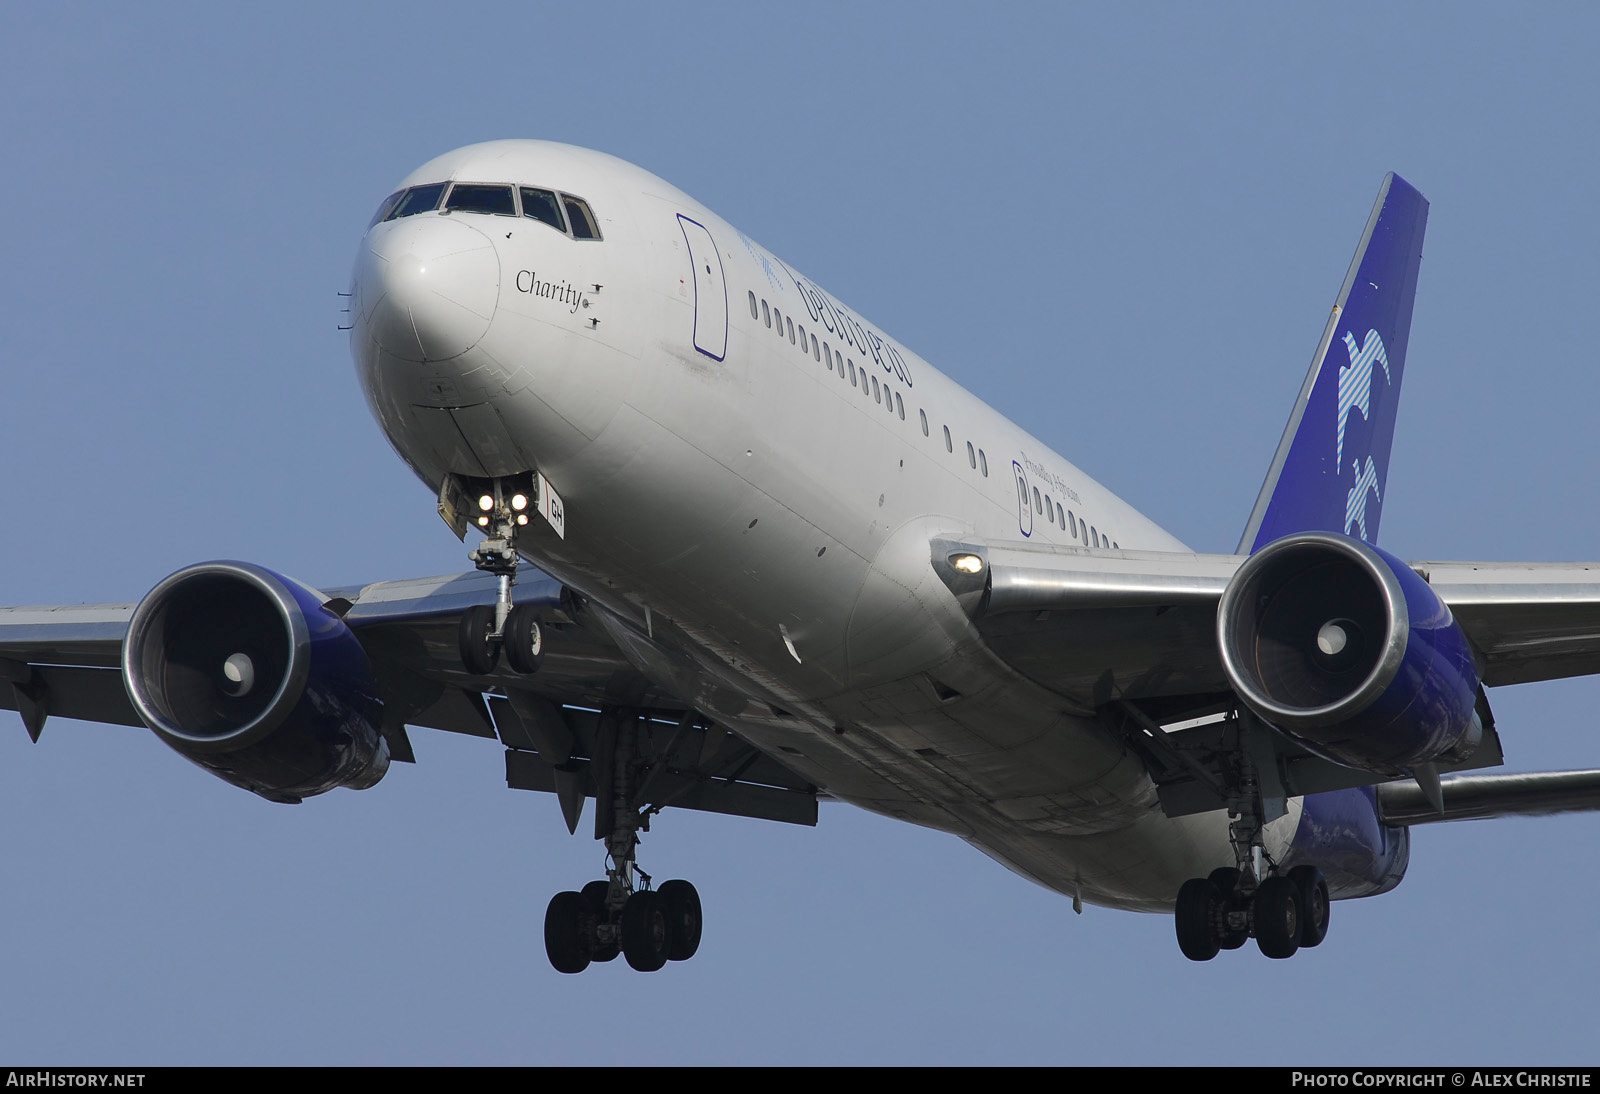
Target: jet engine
(1347, 650)
(246, 673)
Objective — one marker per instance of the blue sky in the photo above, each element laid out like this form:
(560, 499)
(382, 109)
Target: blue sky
(1123, 226)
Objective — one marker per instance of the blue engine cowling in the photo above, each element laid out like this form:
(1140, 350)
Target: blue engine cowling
(1342, 833)
(1344, 648)
(246, 673)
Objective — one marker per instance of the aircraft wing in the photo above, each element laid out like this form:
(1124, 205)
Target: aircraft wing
(1133, 636)
(67, 662)
(1044, 608)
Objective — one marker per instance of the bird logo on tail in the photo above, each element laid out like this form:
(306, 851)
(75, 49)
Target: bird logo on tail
(1355, 386)
(1355, 502)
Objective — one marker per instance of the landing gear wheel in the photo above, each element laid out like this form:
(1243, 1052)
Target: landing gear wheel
(1314, 900)
(1225, 878)
(595, 893)
(1197, 901)
(645, 934)
(683, 919)
(478, 650)
(524, 640)
(567, 924)
(1279, 917)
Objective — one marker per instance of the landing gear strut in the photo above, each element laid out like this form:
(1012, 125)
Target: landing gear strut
(622, 913)
(1283, 912)
(488, 630)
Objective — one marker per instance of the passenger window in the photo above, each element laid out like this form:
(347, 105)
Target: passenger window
(1061, 518)
(387, 207)
(777, 317)
(802, 338)
(972, 455)
(753, 313)
(923, 414)
(838, 359)
(852, 372)
(1116, 546)
(1049, 507)
(766, 313)
(900, 406)
(583, 224)
(948, 447)
(983, 462)
(1094, 534)
(790, 324)
(419, 199)
(1038, 506)
(827, 351)
(877, 393)
(817, 353)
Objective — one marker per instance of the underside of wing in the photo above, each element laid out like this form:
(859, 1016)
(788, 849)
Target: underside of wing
(289, 691)
(1527, 621)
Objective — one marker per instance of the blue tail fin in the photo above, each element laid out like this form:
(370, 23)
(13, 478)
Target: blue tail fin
(1332, 466)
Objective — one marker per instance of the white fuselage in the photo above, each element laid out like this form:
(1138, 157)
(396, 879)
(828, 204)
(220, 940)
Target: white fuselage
(759, 524)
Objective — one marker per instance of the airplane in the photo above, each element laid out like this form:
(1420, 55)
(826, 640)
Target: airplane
(742, 551)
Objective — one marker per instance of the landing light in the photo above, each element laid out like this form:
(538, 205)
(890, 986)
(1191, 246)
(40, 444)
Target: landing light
(486, 502)
(519, 502)
(522, 518)
(967, 564)
(483, 522)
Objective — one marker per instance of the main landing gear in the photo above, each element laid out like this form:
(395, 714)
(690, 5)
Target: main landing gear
(487, 630)
(649, 927)
(622, 913)
(1283, 912)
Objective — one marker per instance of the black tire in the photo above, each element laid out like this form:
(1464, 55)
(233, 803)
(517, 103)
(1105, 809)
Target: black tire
(1316, 903)
(478, 651)
(1279, 917)
(1197, 903)
(524, 640)
(1225, 878)
(567, 932)
(595, 893)
(683, 919)
(645, 934)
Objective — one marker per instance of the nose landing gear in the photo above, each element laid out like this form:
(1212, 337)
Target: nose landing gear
(486, 630)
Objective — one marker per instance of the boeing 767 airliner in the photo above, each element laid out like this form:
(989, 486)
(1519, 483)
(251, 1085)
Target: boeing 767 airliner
(737, 549)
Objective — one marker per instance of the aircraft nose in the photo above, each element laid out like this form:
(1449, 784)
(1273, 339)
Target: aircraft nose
(429, 286)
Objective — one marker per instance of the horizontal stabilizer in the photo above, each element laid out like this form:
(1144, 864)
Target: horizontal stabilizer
(1478, 797)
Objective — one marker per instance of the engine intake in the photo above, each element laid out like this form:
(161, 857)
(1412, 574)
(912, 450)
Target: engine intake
(1344, 648)
(244, 672)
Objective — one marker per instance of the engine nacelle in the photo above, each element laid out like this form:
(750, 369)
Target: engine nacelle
(245, 672)
(1344, 648)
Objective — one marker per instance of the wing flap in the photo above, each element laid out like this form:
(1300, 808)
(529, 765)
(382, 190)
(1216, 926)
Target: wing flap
(66, 691)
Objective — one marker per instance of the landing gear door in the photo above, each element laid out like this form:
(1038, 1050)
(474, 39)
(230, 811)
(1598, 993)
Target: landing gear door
(710, 290)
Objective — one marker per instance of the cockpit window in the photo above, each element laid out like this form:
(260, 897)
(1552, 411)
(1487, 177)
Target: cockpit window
(387, 207)
(472, 197)
(583, 225)
(542, 206)
(418, 199)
